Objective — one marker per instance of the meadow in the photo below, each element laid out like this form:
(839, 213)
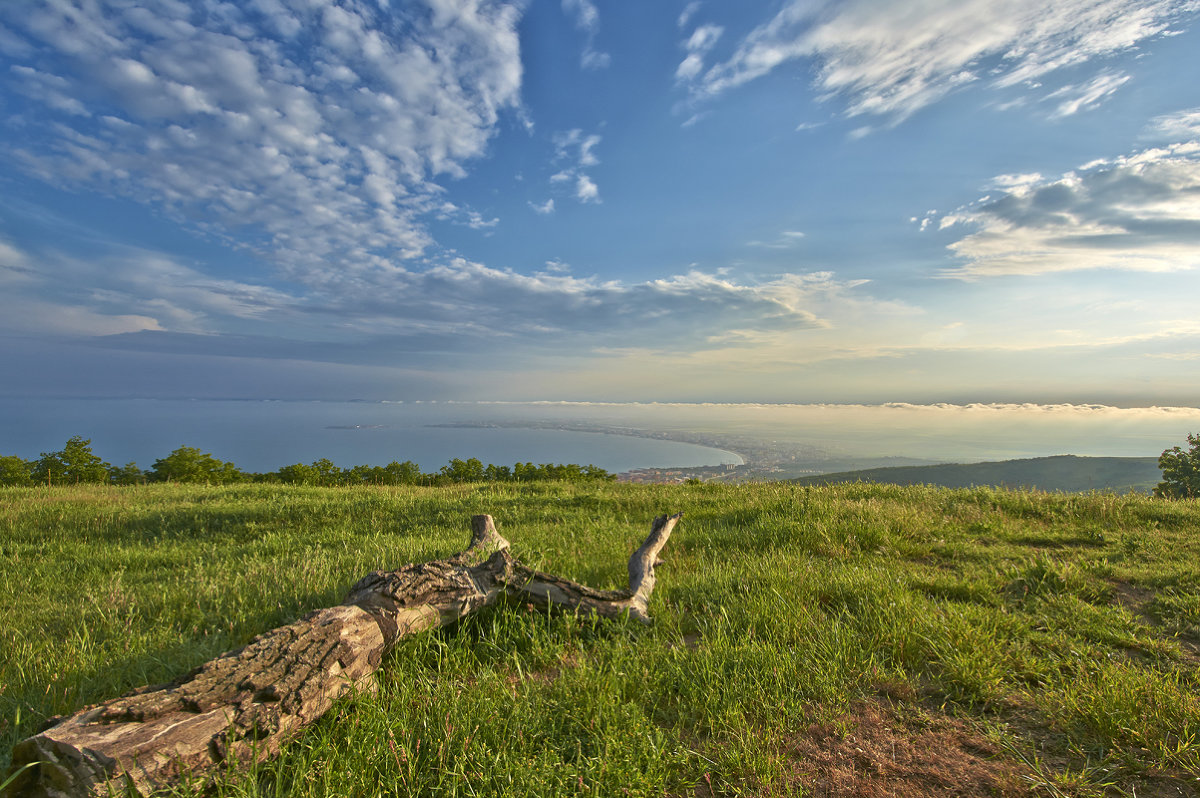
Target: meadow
(845, 640)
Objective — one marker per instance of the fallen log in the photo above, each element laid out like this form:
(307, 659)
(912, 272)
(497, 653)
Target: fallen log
(242, 706)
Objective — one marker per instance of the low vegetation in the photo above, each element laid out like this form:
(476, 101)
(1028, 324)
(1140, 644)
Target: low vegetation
(1065, 472)
(1180, 470)
(852, 639)
(76, 464)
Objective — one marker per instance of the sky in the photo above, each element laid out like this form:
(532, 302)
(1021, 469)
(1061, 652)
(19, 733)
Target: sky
(862, 201)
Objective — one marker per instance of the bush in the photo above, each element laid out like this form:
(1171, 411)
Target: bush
(75, 462)
(15, 471)
(1181, 471)
(189, 464)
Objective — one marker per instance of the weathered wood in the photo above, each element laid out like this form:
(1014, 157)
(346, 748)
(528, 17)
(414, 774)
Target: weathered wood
(245, 704)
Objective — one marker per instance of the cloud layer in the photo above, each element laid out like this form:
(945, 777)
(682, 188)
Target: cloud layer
(458, 306)
(312, 132)
(891, 59)
(1139, 213)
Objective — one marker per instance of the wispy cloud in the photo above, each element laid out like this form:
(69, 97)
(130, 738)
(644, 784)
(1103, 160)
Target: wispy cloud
(688, 12)
(697, 46)
(586, 190)
(1178, 126)
(1139, 213)
(449, 212)
(786, 240)
(1082, 97)
(312, 133)
(455, 306)
(576, 153)
(587, 19)
(891, 59)
(126, 289)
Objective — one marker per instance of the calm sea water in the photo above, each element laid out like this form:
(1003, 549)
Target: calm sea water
(264, 435)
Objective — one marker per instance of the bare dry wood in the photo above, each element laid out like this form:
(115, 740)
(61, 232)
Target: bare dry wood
(245, 704)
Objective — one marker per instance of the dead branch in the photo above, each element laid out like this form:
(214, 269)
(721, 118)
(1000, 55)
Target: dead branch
(244, 705)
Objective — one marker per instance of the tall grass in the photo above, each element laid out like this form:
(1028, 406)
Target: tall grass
(778, 607)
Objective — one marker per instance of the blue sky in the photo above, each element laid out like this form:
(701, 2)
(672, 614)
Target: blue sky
(857, 201)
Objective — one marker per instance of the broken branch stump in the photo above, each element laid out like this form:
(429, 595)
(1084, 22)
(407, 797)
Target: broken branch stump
(242, 706)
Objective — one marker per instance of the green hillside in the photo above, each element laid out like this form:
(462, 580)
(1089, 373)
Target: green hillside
(1067, 472)
(849, 640)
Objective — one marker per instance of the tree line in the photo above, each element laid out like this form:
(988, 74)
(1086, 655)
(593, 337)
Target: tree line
(77, 463)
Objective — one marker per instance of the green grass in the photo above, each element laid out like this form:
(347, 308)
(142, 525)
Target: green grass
(1063, 627)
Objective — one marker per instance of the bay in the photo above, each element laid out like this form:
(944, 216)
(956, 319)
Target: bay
(265, 435)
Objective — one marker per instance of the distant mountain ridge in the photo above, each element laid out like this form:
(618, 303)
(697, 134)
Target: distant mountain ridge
(1067, 473)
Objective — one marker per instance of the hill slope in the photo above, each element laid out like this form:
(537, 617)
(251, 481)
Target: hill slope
(853, 640)
(1067, 472)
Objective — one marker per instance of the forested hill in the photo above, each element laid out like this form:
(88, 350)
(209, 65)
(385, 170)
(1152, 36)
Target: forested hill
(1066, 472)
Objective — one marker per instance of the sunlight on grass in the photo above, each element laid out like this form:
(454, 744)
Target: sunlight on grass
(1066, 625)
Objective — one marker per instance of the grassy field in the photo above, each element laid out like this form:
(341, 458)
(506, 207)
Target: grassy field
(851, 640)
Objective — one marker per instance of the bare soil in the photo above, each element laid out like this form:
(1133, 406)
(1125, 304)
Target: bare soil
(882, 750)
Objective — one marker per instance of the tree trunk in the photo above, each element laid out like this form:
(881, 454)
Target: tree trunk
(243, 705)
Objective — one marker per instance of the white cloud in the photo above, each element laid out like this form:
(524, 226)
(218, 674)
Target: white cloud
(1136, 213)
(15, 267)
(587, 19)
(467, 305)
(688, 12)
(49, 89)
(703, 38)
(689, 67)
(544, 208)
(1177, 126)
(321, 153)
(47, 318)
(477, 222)
(578, 151)
(586, 190)
(891, 59)
(1075, 98)
(594, 59)
(407, 317)
(786, 240)
(465, 217)
(124, 290)
(1015, 181)
(697, 46)
(584, 11)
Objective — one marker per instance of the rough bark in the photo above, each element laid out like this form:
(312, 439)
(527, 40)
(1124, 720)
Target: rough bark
(245, 704)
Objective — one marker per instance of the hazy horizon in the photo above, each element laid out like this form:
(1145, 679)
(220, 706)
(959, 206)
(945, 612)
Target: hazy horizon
(263, 434)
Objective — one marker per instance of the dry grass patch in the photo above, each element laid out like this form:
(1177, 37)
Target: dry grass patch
(881, 750)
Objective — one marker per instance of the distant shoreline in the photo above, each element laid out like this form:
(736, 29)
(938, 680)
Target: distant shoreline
(602, 429)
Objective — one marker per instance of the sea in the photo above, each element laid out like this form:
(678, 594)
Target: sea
(263, 435)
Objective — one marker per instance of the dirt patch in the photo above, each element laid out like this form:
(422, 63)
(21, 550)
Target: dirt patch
(1133, 599)
(568, 660)
(1166, 786)
(879, 751)
(1136, 601)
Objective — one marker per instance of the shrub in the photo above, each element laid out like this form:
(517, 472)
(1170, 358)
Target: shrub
(1181, 471)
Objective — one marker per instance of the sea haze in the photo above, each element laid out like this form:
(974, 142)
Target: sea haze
(264, 435)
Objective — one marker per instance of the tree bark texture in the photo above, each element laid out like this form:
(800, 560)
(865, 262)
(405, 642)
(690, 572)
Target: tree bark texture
(242, 706)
